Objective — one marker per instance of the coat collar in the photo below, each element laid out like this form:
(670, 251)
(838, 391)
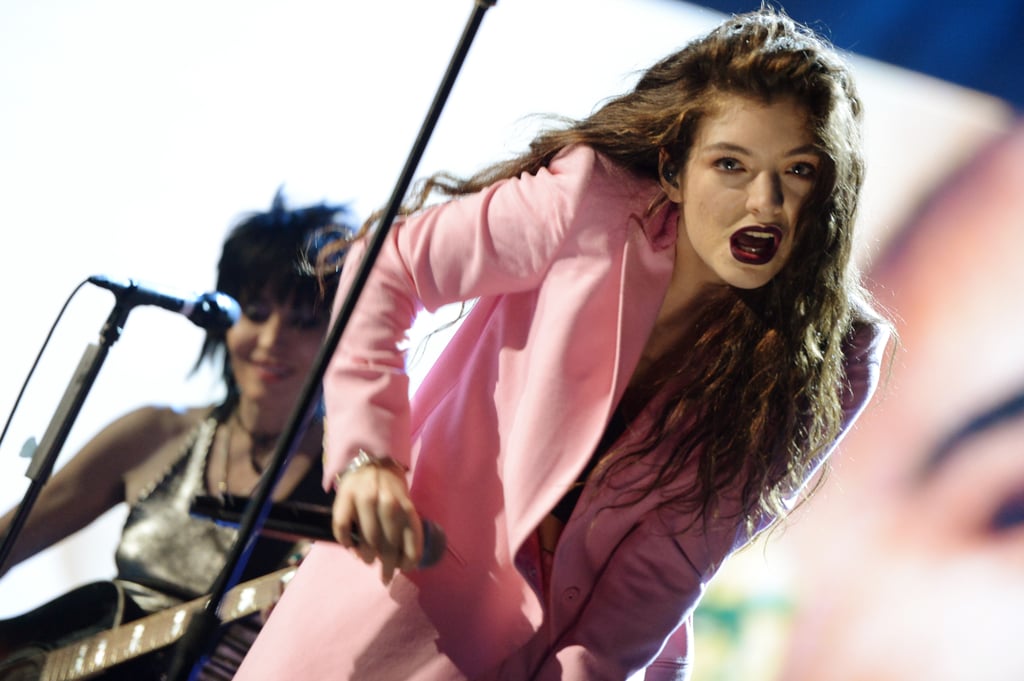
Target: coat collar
(647, 264)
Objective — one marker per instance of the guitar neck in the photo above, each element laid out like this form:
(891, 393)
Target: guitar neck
(89, 656)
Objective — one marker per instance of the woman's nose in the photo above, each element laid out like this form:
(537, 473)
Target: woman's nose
(764, 194)
(271, 330)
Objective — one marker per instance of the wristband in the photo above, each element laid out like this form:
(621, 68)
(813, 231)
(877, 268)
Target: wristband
(363, 459)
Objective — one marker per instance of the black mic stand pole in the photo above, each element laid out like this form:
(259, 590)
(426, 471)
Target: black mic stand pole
(202, 624)
(45, 456)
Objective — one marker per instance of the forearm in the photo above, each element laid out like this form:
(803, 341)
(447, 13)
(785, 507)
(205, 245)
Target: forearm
(58, 512)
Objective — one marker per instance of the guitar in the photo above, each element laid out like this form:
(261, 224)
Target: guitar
(75, 657)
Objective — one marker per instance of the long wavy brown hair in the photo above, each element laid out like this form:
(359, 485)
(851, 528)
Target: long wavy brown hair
(754, 391)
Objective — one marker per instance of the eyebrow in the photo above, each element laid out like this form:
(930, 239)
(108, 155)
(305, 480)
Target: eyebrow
(729, 146)
(1007, 410)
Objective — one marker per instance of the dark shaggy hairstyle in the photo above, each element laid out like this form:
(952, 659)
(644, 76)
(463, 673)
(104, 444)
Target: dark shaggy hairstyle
(273, 254)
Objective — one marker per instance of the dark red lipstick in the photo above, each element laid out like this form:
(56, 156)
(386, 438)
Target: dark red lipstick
(756, 245)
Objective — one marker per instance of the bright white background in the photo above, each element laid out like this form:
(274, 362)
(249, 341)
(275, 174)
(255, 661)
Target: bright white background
(132, 135)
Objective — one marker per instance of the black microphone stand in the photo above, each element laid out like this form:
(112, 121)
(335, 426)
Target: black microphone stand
(194, 643)
(45, 456)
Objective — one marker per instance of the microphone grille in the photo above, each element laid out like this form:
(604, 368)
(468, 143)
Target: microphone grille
(434, 544)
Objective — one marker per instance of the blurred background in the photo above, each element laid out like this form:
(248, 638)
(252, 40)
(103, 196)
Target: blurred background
(133, 136)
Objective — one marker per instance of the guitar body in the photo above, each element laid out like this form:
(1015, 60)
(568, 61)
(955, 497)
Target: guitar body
(25, 640)
(22, 668)
(79, 615)
(89, 632)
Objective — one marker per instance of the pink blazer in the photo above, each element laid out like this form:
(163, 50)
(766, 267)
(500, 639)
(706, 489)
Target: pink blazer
(570, 276)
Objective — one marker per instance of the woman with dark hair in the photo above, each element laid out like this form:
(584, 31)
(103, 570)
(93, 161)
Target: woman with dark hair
(159, 458)
(667, 341)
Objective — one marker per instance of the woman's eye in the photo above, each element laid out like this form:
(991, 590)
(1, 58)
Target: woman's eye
(1010, 513)
(803, 169)
(727, 164)
(257, 312)
(307, 319)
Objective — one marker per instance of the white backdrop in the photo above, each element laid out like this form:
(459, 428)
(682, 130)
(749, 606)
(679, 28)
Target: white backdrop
(133, 134)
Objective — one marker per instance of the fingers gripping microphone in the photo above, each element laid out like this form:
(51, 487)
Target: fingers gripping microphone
(211, 311)
(434, 543)
(296, 520)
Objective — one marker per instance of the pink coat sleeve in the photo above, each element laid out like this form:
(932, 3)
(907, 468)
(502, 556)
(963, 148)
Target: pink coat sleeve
(500, 240)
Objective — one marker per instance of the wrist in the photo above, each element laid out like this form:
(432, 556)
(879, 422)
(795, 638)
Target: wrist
(363, 459)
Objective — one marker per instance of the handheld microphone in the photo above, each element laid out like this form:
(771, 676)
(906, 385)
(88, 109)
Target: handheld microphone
(434, 541)
(296, 520)
(212, 311)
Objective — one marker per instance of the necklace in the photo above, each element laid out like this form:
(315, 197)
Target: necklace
(259, 442)
(225, 449)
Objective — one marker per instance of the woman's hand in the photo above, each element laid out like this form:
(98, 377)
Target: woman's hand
(374, 516)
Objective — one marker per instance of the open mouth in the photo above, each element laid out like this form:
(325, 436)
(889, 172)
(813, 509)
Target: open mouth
(756, 245)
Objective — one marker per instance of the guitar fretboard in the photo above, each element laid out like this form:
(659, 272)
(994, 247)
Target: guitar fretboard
(85, 658)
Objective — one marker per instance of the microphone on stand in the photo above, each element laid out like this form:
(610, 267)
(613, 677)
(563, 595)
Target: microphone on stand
(214, 311)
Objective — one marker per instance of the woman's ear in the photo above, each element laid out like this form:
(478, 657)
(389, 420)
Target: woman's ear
(668, 176)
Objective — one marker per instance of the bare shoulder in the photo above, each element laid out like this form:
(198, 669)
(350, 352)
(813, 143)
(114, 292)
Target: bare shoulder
(157, 436)
(134, 435)
(162, 421)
